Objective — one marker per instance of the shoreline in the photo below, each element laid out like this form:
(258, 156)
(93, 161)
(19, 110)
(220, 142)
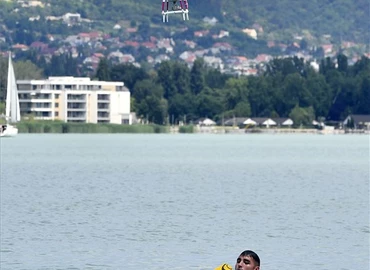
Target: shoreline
(48, 127)
(223, 130)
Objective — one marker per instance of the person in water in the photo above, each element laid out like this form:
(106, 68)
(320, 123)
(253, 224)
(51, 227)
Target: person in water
(248, 260)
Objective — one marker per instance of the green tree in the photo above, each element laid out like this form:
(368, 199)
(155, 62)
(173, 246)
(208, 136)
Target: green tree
(302, 116)
(242, 109)
(197, 82)
(103, 72)
(182, 107)
(155, 109)
(342, 63)
(149, 101)
(336, 81)
(214, 78)
(261, 96)
(236, 90)
(56, 66)
(129, 74)
(295, 92)
(361, 72)
(181, 75)
(24, 70)
(2, 107)
(363, 105)
(326, 65)
(166, 79)
(321, 93)
(284, 66)
(209, 103)
(144, 27)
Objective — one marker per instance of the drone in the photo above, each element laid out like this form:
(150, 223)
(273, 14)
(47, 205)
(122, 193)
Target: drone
(176, 8)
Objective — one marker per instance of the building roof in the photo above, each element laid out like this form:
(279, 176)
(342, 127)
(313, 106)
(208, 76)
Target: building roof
(264, 121)
(62, 80)
(283, 121)
(358, 118)
(237, 121)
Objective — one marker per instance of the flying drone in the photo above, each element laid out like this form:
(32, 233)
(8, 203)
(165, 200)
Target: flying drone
(175, 8)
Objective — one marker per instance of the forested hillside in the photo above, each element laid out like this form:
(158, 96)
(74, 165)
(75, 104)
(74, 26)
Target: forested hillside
(280, 20)
(343, 19)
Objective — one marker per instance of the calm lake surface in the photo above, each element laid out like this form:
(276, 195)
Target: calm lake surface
(184, 201)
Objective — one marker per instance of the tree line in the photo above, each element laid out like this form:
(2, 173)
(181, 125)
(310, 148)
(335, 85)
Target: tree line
(173, 92)
(288, 87)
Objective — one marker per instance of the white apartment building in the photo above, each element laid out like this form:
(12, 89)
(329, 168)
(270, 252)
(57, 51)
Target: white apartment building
(75, 99)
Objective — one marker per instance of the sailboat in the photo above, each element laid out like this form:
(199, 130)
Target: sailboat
(12, 111)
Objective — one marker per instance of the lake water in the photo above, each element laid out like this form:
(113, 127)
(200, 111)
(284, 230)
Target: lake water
(184, 201)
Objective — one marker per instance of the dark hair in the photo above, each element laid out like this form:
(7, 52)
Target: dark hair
(252, 254)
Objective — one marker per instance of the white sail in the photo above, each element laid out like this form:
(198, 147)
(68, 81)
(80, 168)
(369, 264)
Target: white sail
(12, 111)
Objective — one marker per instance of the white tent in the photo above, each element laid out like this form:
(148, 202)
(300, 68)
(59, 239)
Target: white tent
(249, 121)
(207, 122)
(287, 122)
(269, 122)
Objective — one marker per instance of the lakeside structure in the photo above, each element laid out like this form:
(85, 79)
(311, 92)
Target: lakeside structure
(75, 99)
(353, 124)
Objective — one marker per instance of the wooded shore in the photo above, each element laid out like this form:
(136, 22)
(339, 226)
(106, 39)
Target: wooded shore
(62, 127)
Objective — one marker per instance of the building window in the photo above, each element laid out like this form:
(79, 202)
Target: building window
(56, 95)
(56, 105)
(103, 97)
(57, 114)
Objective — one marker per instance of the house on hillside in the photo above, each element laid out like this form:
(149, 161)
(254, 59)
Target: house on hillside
(250, 32)
(210, 21)
(214, 62)
(21, 47)
(27, 4)
(71, 18)
(39, 46)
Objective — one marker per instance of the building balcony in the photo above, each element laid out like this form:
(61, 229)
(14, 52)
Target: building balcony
(41, 114)
(76, 118)
(76, 114)
(40, 109)
(34, 100)
(76, 109)
(103, 110)
(106, 118)
(79, 100)
(44, 117)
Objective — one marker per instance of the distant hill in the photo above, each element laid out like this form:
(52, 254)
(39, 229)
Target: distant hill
(339, 20)
(342, 19)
